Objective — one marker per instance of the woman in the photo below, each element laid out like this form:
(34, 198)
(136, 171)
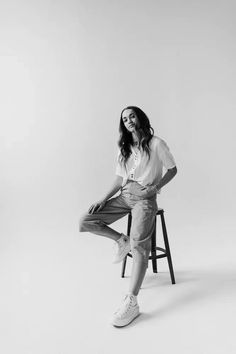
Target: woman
(140, 162)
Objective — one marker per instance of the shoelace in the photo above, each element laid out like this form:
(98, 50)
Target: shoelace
(125, 308)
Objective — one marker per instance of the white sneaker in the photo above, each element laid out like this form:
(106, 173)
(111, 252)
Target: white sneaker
(123, 245)
(127, 312)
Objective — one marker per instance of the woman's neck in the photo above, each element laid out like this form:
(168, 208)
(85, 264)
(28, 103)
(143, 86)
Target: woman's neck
(136, 139)
(136, 142)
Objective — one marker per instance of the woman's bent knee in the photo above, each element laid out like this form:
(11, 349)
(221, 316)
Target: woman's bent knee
(90, 225)
(82, 224)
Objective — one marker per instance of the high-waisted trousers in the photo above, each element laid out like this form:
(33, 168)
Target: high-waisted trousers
(143, 208)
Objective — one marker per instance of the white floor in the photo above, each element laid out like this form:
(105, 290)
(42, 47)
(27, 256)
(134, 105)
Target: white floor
(58, 293)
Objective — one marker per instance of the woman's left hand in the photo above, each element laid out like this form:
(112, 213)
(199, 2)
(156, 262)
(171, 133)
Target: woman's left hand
(149, 189)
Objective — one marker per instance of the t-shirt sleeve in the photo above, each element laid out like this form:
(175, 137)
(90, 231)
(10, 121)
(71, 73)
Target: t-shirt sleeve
(165, 155)
(119, 169)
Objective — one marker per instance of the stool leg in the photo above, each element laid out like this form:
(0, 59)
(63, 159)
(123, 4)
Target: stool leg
(153, 250)
(125, 259)
(123, 267)
(167, 247)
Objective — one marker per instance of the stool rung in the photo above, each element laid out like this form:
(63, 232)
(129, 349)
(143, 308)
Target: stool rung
(158, 256)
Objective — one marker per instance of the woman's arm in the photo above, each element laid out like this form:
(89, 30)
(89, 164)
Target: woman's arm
(167, 177)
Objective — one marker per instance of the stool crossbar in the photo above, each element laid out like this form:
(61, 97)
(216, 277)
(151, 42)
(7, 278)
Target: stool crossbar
(165, 252)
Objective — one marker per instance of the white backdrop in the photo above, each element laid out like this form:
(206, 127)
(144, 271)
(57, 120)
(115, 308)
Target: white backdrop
(67, 69)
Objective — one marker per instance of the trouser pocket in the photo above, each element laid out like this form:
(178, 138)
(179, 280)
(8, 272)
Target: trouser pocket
(135, 189)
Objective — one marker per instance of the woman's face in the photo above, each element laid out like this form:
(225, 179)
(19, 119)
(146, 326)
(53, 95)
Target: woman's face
(130, 120)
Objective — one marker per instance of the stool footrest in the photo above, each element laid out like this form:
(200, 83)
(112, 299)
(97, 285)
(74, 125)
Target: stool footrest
(158, 256)
(154, 256)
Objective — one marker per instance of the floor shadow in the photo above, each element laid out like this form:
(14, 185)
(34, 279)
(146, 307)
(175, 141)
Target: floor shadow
(163, 278)
(192, 287)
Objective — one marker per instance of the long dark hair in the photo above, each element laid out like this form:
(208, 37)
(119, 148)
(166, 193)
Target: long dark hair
(145, 131)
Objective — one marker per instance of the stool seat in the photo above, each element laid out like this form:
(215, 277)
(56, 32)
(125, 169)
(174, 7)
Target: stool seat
(165, 252)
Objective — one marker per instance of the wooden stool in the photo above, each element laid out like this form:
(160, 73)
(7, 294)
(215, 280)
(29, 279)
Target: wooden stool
(154, 256)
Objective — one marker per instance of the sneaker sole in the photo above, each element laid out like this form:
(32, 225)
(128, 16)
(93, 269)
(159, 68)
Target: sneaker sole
(126, 324)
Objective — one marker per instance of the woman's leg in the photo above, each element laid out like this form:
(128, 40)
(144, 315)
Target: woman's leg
(143, 223)
(103, 230)
(114, 209)
(139, 268)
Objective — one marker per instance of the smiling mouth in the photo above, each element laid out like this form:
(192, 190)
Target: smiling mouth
(131, 125)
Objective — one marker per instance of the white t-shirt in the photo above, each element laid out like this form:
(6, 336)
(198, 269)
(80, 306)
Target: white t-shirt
(142, 170)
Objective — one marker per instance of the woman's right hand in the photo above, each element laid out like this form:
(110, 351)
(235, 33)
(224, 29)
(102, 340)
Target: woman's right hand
(97, 206)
